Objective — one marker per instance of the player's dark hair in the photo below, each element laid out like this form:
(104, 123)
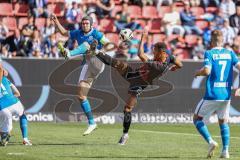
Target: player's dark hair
(88, 18)
(160, 46)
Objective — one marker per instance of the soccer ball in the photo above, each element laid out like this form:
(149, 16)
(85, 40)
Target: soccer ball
(126, 34)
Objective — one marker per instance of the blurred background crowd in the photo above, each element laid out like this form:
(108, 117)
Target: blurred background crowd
(26, 29)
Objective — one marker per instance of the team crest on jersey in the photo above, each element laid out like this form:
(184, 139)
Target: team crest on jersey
(90, 38)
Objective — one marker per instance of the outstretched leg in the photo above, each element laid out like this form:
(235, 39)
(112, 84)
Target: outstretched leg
(119, 65)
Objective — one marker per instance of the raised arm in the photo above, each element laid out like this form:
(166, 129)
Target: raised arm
(141, 54)
(62, 30)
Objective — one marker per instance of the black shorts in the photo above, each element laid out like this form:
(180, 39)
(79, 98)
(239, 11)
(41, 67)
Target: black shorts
(137, 84)
(136, 90)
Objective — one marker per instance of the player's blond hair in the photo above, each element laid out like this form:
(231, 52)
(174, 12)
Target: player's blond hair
(216, 38)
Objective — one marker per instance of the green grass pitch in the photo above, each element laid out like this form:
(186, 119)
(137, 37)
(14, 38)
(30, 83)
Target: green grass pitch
(64, 141)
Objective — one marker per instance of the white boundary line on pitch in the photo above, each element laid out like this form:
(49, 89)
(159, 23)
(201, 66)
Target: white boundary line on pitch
(176, 133)
(16, 154)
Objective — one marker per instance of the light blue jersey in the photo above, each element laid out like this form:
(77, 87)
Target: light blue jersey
(81, 37)
(220, 61)
(7, 97)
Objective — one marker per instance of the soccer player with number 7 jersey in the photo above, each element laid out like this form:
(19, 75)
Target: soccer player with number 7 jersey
(218, 68)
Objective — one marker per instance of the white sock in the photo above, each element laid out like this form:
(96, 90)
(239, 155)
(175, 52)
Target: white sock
(25, 139)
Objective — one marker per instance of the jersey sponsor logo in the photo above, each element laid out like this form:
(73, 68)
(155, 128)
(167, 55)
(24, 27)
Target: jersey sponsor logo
(220, 84)
(221, 56)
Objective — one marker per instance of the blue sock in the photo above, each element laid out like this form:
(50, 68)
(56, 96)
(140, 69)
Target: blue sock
(24, 126)
(225, 134)
(203, 130)
(87, 110)
(81, 49)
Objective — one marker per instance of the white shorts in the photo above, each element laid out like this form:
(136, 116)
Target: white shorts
(206, 108)
(6, 116)
(91, 70)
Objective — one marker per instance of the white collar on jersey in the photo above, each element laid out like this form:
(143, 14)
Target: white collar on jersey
(218, 48)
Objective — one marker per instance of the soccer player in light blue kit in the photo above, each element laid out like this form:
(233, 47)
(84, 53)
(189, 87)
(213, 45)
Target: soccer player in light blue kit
(218, 67)
(10, 105)
(93, 66)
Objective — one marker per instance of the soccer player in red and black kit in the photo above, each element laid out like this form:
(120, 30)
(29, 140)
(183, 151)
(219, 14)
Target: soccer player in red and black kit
(140, 78)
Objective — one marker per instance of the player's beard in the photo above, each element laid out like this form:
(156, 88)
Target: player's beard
(86, 29)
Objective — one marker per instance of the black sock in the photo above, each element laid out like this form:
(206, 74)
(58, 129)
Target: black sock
(127, 121)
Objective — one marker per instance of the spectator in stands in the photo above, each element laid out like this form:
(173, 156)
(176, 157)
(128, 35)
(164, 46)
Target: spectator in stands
(147, 2)
(133, 49)
(15, 42)
(198, 49)
(53, 52)
(38, 8)
(188, 20)
(36, 45)
(71, 1)
(135, 2)
(3, 31)
(164, 2)
(48, 29)
(123, 20)
(172, 22)
(236, 46)
(235, 19)
(104, 7)
(27, 33)
(194, 3)
(228, 32)
(73, 16)
(207, 33)
(176, 43)
(147, 46)
(207, 3)
(228, 8)
(92, 14)
(218, 19)
(28, 29)
(51, 41)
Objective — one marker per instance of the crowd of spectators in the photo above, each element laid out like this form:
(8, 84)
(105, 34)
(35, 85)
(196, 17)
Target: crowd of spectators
(179, 26)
